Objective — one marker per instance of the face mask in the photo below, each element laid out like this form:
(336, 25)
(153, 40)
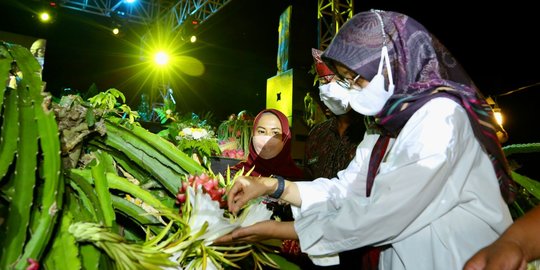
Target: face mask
(371, 99)
(335, 98)
(41, 61)
(267, 147)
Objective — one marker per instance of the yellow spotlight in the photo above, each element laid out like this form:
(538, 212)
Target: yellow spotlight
(44, 17)
(161, 58)
(498, 116)
(116, 31)
(496, 110)
(193, 39)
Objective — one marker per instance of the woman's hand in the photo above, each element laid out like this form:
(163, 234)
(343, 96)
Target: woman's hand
(246, 188)
(501, 255)
(264, 230)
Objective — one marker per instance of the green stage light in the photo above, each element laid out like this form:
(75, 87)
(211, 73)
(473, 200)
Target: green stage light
(161, 58)
(44, 17)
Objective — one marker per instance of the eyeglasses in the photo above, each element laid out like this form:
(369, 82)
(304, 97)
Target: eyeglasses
(347, 83)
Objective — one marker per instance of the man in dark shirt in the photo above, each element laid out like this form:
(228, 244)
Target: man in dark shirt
(331, 145)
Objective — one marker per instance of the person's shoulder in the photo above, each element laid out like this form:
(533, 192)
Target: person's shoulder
(322, 126)
(442, 105)
(442, 109)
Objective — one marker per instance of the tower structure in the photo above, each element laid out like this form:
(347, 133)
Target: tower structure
(331, 15)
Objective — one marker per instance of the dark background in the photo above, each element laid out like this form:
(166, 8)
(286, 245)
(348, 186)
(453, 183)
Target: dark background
(238, 47)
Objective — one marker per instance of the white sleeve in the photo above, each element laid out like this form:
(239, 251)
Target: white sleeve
(334, 216)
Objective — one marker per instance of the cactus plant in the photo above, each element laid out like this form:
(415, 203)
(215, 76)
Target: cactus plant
(88, 162)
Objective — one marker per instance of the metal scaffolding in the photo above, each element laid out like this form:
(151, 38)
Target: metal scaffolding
(171, 14)
(194, 10)
(331, 15)
(147, 12)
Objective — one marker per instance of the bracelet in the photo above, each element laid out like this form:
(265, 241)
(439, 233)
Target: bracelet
(280, 188)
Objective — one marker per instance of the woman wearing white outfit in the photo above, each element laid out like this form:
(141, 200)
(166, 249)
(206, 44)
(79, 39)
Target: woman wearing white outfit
(429, 181)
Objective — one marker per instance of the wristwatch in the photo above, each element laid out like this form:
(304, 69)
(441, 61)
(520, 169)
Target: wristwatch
(280, 188)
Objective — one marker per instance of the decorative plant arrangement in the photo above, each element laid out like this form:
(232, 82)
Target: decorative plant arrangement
(84, 186)
(192, 136)
(234, 135)
(529, 189)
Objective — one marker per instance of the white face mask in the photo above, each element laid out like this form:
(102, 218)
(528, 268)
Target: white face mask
(41, 61)
(335, 97)
(371, 99)
(267, 147)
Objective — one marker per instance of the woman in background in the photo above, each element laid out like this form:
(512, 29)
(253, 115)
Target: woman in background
(270, 147)
(270, 156)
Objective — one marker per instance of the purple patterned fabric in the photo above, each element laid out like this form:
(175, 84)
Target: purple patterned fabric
(422, 69)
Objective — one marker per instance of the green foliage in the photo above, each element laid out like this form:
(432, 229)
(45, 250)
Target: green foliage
(528, 193)
(283, 263)
(192, 135)
(107, 100)
(32, 199)
(313, 71)
(532, 186)
(521, 148)
(92, 91)
(237, 129)
(124, 170)
(163, 115)
(126, 111)
(205, 147)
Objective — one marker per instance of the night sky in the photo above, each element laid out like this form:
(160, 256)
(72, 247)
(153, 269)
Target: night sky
(238, 48)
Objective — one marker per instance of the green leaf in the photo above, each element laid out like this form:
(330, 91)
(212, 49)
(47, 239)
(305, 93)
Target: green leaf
(137, 214)
(532, 186)
(102, 189)
(83, 208)
(282, 262)
(165, 149)
(64, 254)
(521, 148)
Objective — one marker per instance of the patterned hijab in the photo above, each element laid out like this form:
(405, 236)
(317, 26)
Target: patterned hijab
(422, 69)
(282, 164)
(323, 71)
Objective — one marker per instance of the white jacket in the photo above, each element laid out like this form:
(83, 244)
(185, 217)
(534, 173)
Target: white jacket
(435, 200)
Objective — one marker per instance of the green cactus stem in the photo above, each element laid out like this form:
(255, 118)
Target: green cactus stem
(25, 178)
(9, 132)
(50, 200)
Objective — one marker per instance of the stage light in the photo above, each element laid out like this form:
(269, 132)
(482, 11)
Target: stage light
(130, 1)
(117, 28)
(193, 39)
(498, 115)
(161, 58)
(496, 110)
(44, 17)
(502, 135)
